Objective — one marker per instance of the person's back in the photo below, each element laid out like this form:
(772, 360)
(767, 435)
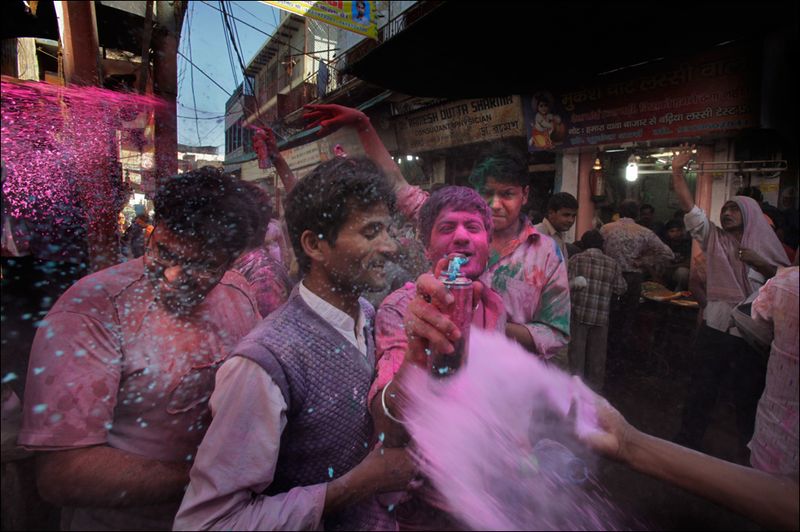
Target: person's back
(590, 308)
(633, 245)
(591, 305)
(268, 279)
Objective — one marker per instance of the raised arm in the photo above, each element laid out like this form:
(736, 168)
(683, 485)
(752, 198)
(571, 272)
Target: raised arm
(682, 156)
(330, 117)
(267, 148)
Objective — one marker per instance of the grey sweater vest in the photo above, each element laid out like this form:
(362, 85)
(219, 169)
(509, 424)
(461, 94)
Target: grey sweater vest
(324, 380)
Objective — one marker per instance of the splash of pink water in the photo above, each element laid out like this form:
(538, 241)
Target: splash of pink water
(475, 436)
(60, 149)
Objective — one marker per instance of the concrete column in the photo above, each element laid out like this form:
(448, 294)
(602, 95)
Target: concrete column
(81, 58)
(585, 203)
(82, 67)
(169, 16)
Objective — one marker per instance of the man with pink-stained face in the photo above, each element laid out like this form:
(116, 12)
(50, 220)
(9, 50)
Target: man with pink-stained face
(453, 220)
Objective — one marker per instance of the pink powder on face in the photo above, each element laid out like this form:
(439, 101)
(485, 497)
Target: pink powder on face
(488, 438)
(60, 149)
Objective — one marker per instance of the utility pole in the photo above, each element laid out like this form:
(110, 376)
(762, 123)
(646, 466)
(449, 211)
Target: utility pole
(166, 37)
(81, 57)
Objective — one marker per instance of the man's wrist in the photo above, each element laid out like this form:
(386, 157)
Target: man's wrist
(363, 125)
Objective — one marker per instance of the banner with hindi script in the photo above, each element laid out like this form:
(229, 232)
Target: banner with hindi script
(707, 94)
(358, 17)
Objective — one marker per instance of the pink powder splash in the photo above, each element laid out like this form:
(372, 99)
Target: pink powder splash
(60, 149)
(496, 441)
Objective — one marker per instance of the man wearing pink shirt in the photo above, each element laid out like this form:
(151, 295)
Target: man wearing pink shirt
(453, 220)
(123, 365)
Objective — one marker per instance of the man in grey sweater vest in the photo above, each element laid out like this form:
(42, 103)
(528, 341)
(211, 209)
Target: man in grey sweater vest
(289, 444)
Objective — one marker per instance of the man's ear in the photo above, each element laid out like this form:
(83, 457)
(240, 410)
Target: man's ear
(314, 245)
(525, 190)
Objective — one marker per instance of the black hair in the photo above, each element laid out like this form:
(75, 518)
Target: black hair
(629, 209)
(591, 239)
(648, 207)
(206, 206)
(561, 200)
(504, 165)
(323, 200)
(673, 224)
(456, 198)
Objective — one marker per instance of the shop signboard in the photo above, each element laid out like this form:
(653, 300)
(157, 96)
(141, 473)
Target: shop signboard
(707, 95)
(302, 159)
(460, 122)
(358, 17)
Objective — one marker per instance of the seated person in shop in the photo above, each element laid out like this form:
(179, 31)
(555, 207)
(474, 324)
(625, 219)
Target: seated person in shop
(647, 218)
(282, 453)
(525, 267)
(676, 274)
(122, 368)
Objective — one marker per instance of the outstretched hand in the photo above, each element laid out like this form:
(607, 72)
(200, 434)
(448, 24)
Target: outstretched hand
(682, 156)
(264, 144)
(610, 436)
(330, 117)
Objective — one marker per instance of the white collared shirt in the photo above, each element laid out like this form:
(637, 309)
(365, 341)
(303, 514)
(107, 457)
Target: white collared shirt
(344, 324)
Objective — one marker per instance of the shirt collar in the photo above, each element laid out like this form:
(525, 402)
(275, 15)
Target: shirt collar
(338, 319)
(528, 231)
(550, 230)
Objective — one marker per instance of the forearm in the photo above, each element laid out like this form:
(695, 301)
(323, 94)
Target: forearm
(767, 270)
(548, 340)
(377, 153)
(284, 172)
(347, 490)
(521, 335)
(102, 476)
(682, 189)
(380, 471)
(768, 499)
(390, 433)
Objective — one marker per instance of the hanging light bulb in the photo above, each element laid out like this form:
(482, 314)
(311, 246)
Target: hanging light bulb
(632, 170)
(597, 165)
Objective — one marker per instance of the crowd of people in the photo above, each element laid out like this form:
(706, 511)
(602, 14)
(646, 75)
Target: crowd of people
(216, 379)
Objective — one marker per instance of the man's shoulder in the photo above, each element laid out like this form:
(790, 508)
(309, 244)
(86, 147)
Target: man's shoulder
(102, 286)
(399, 299)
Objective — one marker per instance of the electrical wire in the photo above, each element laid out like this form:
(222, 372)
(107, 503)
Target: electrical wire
(191, 76)
(225, 33)
(301, 52)
(203, 72)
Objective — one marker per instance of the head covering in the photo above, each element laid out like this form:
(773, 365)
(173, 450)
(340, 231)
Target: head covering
(727, 275)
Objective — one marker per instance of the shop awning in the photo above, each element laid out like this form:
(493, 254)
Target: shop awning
(469, 50)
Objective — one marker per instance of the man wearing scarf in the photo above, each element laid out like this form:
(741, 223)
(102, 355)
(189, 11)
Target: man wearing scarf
(741, 255)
